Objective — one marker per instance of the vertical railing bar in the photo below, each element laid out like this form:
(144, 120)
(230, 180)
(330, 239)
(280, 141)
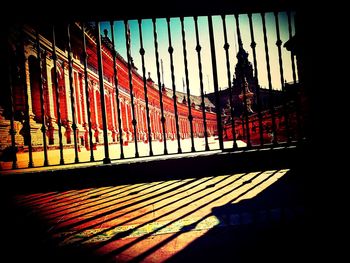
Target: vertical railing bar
(12, 131)
(297, 101)
(190, 117)
(198, 49)
(134, 122)
(87, 95)
(142, 53)
(171, 50)
(116, 82)
(159, 84)
(215, 80)
(243, 128)
(272, 109)
(226, 47)
(58, 110)
(26, 98)
(41, 88)
(292, 54)
(243, 82)
(253, 45)
(285, 110)
(102, 94)
(72, 97)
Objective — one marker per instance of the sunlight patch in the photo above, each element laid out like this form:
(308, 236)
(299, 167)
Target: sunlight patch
(131, 231)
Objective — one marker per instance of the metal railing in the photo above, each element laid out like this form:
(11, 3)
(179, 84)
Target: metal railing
(105, 103)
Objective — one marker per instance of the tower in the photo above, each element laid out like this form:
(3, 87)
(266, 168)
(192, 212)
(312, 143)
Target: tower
(243, 79)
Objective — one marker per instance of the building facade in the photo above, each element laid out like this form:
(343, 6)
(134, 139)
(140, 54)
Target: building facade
(74, 98)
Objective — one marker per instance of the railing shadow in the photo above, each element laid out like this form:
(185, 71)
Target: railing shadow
(266, 223)
(128, 221)
(270, 227)
(106, 198)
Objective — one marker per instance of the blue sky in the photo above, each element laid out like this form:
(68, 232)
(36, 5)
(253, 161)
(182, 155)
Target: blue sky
(163, 44)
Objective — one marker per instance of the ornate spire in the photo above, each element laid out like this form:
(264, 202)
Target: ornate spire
(243, 71)
(246, 86)
(149, 79)
(248, 96)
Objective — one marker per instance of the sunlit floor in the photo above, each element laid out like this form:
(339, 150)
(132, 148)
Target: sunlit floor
(158, 221)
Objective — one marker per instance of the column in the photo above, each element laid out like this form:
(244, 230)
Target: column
(115, 111)
(68, 128)
(29, 89)
(112, 110)
(127, 121)
(49, 83)
(140, 122)
(95, 106)
(144, 120)
(51, 125)
(67, 90)
(153, 123)
(158, 125)
(83, 97)
(77, 97)
(137, 116)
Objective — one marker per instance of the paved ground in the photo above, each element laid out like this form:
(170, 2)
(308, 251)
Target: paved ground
(227, 218)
